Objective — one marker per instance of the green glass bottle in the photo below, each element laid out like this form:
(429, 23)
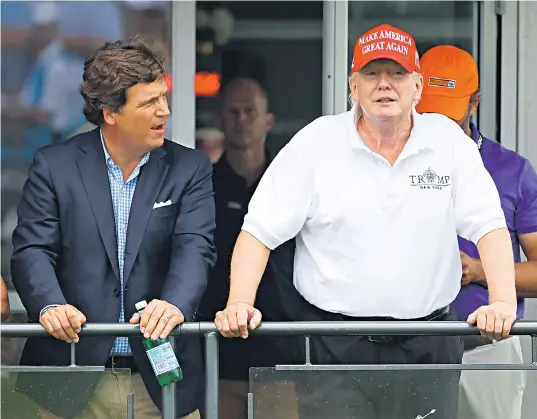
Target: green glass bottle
(161, 356)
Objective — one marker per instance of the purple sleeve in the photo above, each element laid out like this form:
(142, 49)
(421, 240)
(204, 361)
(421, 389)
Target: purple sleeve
(526, 210)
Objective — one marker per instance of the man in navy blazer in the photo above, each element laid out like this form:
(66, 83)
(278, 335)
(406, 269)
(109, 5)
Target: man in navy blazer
(109, 218)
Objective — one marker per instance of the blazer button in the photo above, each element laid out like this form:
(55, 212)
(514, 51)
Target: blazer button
(116, 292)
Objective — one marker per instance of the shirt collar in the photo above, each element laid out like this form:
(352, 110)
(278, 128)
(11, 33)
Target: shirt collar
(475, 132)
(223, 167)
(417, 141)
(110, 162)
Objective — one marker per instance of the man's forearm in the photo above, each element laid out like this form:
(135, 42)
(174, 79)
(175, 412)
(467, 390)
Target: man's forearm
(35, 281)
(248, 264)
(496, 254)
(526, 279)
(37, 241)
(192, 258)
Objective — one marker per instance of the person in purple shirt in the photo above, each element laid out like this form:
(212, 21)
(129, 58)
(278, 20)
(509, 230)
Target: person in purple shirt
(451, 87)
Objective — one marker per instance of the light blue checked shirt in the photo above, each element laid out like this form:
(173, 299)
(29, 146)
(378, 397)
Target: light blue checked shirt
(122, 193)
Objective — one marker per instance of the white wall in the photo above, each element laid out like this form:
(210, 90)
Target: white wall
(527, 96)
(527, 146)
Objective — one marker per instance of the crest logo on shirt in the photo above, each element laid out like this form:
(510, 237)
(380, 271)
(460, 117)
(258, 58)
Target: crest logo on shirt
(429, 179)
(430, 175)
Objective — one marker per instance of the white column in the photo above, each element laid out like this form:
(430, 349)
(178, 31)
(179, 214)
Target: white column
(527, 88)
(508, 65)
(183, 72)
(335, 56)
(487, 68)
(527, 146)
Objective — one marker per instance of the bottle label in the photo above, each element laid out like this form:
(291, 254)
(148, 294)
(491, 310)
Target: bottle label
(162, 358)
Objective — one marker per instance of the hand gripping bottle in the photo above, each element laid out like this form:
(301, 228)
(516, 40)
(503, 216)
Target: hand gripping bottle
(161, 356)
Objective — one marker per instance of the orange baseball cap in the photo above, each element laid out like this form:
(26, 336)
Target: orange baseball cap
(450, 77)
(386, 41)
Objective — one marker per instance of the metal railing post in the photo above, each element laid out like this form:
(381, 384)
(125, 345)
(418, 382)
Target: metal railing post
(130, 406)
(534, 349)
(211, 375)
(308, 351)
(73, 354)
(250, 406)
(168, 394)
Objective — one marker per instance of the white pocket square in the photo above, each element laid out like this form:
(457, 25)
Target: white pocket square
(162, 204)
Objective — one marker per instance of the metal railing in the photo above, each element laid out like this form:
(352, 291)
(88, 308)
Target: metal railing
(306, 329)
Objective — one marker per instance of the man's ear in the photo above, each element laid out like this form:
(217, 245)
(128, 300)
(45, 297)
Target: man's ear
(353, 88)
(419, 88)
(270, 121)
(109, 117)
(475, 103)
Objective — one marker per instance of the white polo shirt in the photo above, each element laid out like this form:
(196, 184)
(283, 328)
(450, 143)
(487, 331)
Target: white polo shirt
(372, 239)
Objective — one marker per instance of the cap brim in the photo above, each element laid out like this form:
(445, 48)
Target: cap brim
(453, 107)
(389, 56)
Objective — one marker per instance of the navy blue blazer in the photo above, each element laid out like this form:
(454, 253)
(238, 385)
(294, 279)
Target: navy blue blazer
(65, 251)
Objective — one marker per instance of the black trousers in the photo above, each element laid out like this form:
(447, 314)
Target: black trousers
(380, 394)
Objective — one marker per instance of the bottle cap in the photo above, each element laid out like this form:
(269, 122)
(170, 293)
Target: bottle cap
(140, 305)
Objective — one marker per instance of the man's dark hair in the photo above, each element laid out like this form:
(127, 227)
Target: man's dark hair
(114, 68)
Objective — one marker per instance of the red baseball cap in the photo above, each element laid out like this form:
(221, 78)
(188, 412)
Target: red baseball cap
(386, 41)
(168, 79)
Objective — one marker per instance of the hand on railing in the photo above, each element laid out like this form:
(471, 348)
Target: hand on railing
(63, 322)
(236, 319)
(158, 320)
(495, 320)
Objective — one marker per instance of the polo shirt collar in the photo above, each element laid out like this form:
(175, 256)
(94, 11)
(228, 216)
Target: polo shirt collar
(417, 141)
(475, 132)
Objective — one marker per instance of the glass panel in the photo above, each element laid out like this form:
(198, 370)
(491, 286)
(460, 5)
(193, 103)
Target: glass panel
(68, 385)
(43, 47)
(277, 44)
(530, 401)
(366, 394)
(289, 10)
(430, 23)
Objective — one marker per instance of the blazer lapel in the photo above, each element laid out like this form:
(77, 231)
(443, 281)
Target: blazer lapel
(150, 180)
(93, 171)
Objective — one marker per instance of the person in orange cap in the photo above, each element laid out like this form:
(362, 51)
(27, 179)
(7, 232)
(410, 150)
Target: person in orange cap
(451, 84)
(375, 202)
(452, 88)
